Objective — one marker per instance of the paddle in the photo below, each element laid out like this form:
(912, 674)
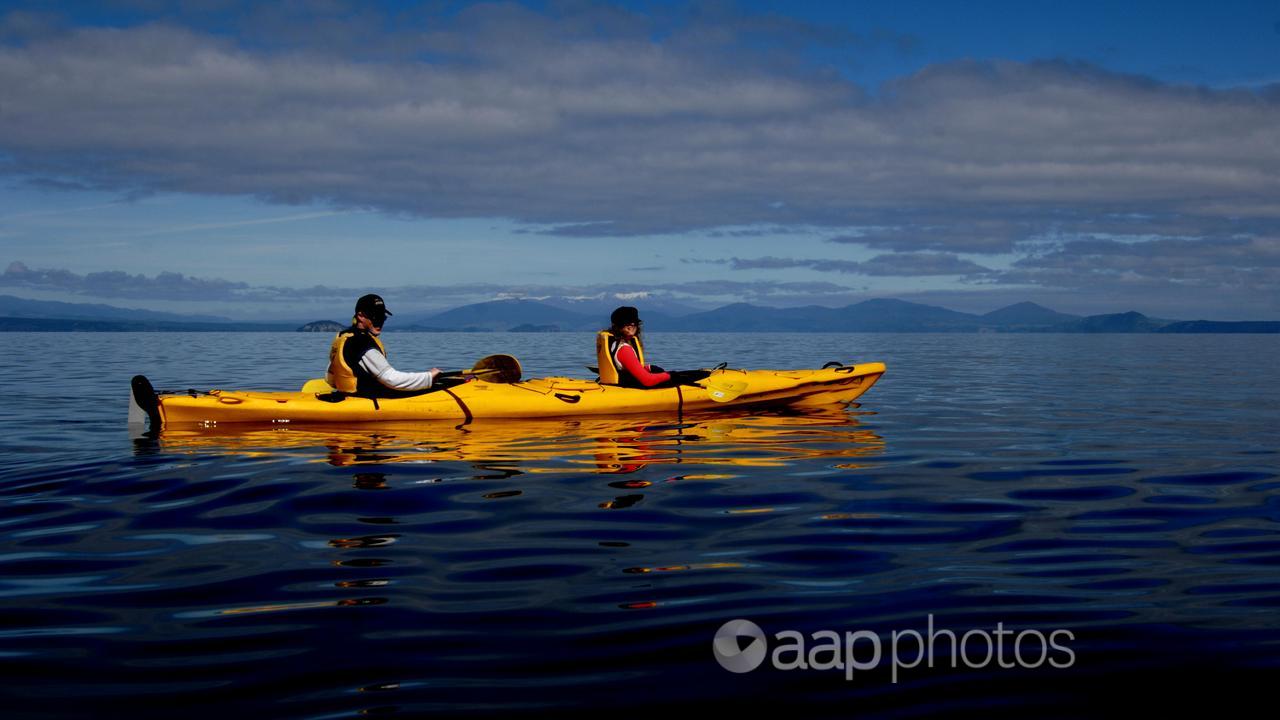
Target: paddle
(472, 372)
(718, 389)
(722, 390)
(505, 367)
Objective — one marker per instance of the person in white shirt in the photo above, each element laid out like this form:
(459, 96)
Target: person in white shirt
(358, 360)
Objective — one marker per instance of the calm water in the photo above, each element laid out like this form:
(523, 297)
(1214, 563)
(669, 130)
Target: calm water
(1123, 490)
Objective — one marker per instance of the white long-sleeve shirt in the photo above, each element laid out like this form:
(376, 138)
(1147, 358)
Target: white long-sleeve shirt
(375, 363)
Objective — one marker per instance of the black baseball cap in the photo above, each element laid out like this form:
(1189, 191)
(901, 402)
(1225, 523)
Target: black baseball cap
(624, 315)
(373, 307)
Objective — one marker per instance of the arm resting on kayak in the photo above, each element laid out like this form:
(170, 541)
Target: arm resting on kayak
(376, 364)
(631, 363)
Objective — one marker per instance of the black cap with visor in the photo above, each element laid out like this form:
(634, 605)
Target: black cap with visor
(373, 307)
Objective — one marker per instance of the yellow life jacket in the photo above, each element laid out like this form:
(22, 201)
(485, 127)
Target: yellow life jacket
(607, 356)
(340, 376)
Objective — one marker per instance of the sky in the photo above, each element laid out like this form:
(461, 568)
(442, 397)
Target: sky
(276, 160)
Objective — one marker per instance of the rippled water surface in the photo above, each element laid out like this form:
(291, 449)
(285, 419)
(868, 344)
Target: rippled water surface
(1121, 490)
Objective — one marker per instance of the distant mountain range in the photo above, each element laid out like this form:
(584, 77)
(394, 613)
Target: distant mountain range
(534, 316)
(868, 316)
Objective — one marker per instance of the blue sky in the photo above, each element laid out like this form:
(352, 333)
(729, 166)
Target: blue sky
(274, 160)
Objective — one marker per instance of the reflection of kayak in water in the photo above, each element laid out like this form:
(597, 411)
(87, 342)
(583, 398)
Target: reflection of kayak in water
(598, 445)
(553, 397)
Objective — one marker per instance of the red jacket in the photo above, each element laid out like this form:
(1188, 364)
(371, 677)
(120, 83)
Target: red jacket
(630, 362)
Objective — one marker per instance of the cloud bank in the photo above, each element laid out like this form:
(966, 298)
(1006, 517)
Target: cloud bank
(122, 285)
(595, 121)
(502, 112)
(175, 287)
(915, 264)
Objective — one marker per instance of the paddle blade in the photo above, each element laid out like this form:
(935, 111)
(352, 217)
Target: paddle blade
(494, 368)
(723, 390)
(498, 368)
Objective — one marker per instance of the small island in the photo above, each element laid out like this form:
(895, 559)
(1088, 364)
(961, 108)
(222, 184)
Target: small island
(325, 326)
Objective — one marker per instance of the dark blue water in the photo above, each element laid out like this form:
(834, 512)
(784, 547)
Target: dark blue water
(1120, 491)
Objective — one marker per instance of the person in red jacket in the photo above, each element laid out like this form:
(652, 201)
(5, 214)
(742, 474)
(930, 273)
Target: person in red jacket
(620, 354)
(626, 352)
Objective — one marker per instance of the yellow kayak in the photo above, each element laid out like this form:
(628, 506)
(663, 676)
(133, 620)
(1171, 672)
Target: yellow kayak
(550, 397)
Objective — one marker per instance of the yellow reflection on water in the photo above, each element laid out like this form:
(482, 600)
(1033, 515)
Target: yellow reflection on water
(598, 446)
